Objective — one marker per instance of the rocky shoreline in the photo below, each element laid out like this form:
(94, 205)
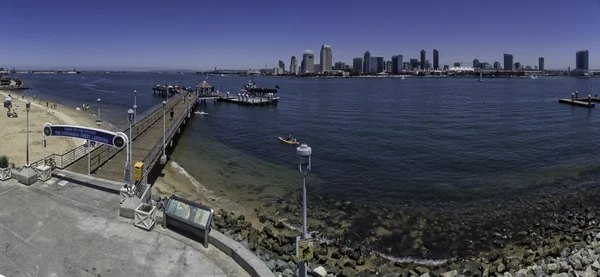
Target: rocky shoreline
(576, 253)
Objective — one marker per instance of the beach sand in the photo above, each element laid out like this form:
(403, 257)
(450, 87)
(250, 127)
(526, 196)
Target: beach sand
(175, 182)
(13, 134)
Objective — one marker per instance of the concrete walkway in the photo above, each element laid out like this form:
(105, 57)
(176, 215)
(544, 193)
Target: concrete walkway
(65, 229)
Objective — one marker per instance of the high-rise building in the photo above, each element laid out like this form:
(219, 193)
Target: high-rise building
(414, 63)
(446, 67)
(388, 66)
(294, 65)
(475, 63)
(517, 66)
(282, 66)
(497, 65)
(326, 58)
(367, 63)
(436, 59)
(423, 58)
(508, 62)
(456, 64)
(541, 64)
(427, 64)
(582, 60)
(339, 65)
(397, 64)
(357, 64)
(308, 62)
(406, 65)
(317, 68)
(377, 65)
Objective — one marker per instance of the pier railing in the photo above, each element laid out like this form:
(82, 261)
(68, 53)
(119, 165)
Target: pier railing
(158, 148)
(148, 118)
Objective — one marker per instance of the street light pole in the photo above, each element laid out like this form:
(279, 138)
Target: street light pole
(27, 107)
(163, 158)
(134, 106)
(305, 152)
(98, 120)
(130, 117)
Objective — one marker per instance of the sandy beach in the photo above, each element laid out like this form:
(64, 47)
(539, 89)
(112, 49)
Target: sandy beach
(13, 135)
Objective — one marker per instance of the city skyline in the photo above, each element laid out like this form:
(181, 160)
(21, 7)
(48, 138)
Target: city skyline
(96, 35)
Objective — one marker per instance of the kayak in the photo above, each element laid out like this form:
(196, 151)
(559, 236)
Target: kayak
(288, 141)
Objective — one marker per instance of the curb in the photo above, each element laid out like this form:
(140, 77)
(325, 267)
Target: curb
(242, 256)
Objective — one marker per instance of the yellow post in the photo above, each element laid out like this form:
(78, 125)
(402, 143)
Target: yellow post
(138, 169)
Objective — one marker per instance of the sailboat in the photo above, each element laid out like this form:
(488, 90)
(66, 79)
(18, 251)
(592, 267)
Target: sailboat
(480, 76)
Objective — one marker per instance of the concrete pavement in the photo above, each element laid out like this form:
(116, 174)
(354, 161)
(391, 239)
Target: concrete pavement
(60, 228)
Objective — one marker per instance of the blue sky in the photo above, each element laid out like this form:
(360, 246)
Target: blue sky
(198, 35)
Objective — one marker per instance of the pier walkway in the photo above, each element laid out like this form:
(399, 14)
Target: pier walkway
(109, 162)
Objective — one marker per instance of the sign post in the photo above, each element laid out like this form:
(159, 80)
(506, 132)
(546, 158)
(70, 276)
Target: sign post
(91, 135)
(304, 248)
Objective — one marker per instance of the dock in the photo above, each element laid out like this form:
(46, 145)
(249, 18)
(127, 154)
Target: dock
(582, 102)
(248, 99)
(172, 90)
(108, 162)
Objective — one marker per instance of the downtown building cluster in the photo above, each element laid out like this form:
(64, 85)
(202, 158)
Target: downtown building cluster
(372, 65)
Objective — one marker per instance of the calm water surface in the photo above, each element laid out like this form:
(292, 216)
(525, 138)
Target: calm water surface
(376, 142)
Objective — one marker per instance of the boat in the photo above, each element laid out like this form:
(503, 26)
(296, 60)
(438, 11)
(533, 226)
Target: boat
(534, 77)
(402, 78)
(480, 76)
(289, 141)
(252, 88)
(201, 113)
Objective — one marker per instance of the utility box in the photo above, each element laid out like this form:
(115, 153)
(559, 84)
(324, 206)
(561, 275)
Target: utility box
(138, 171)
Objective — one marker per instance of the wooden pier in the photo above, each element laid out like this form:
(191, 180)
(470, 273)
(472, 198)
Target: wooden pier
(582, 102)
(109, 162)
(163, 90)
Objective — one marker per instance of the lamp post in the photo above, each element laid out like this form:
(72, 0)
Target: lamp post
(27, 107)
(163, 158)
(130, 115)
(134, 106)
(304, 151)
(98, 120)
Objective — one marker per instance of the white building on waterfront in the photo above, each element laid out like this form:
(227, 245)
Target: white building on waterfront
(461, 69)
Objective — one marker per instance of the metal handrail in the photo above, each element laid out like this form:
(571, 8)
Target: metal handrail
(147, 123)
(149, 159)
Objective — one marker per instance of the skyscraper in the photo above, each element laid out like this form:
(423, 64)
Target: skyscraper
(308, 62)
(397, 64)
(357, 64)
(326, 58)
(367, 63)
(436, 59)
(294, 65)
(508, 62)
(581, 60)
(414, 63)
(475, 63)
(423, 59)
(282, 66)
(541, 64)
(497, 65)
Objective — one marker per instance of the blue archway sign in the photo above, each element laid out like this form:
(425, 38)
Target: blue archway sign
(118, 140)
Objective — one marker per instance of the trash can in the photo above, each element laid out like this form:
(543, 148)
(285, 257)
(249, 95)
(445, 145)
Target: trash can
(138, 169)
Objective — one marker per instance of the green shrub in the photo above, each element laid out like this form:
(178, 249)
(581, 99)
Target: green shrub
(4, 162)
